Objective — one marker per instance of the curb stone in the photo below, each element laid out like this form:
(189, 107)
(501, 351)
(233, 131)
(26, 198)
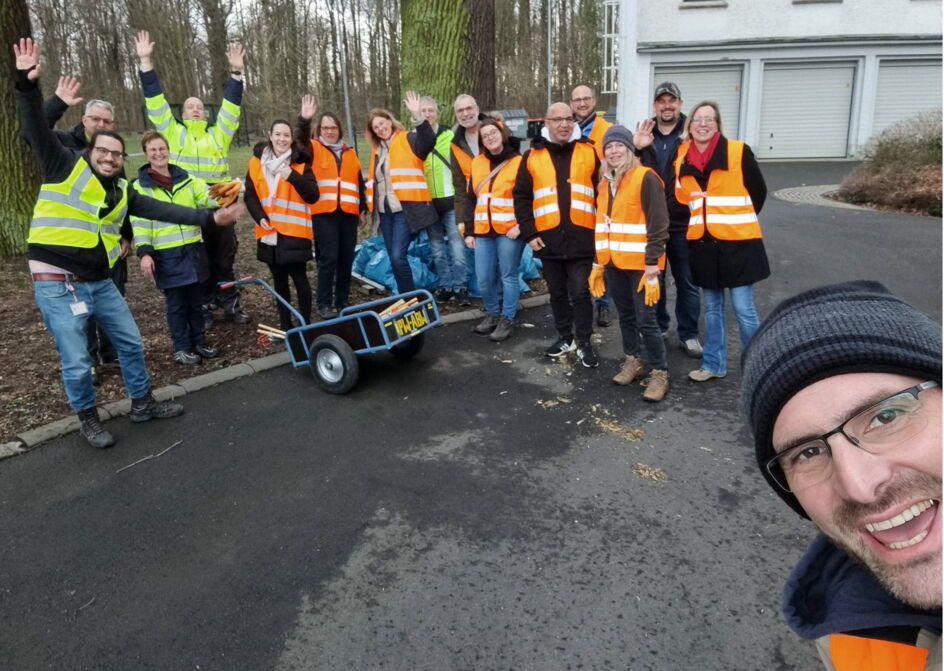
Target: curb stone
(32, 438)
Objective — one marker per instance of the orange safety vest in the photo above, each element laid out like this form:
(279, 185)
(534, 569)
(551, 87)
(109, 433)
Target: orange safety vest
(725, 207)
(494, 206)
(545, 204)
(464, 160)
(853, 653)
(335, 184)
(406, 172)
(287, 213)
(600, 126)
(621, 223)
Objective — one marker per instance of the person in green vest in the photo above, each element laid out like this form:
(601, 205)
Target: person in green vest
(74, 240)
(201, 148)
(445, 244)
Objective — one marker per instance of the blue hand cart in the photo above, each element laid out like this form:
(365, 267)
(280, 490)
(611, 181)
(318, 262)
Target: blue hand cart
(330, 347)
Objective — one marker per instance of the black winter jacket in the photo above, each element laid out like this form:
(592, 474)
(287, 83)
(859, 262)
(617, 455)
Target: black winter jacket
(678, 213)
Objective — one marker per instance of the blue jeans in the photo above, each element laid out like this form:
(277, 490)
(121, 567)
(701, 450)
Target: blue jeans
(496, 267)
(687, 300)
(448, 251)
(111, 313)
(397, 237)
(715, 357)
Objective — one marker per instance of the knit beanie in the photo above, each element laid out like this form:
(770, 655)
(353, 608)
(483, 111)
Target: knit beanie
(854, 327)
(617, 133)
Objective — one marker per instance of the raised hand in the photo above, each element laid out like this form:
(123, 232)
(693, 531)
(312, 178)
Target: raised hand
(413, 104)
(642, 135)
(26, 52)
(68, 90)
(309, 107)
(236, 55)
(143, 46)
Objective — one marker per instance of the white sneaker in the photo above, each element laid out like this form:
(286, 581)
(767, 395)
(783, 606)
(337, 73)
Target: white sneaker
(702, 375)
(693, 348)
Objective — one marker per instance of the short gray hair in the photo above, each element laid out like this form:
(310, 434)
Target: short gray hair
(429, 99)
(99, 103)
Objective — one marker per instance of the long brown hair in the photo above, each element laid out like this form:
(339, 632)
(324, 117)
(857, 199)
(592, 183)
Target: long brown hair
(385, 114)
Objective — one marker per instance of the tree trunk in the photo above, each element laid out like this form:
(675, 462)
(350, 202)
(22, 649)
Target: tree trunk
(20, 179)
(481, 54)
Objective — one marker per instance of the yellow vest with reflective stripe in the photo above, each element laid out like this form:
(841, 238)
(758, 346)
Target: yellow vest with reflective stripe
(439, 172)
(546, 206)
(621, 234)
(162, 234)
(67, 213)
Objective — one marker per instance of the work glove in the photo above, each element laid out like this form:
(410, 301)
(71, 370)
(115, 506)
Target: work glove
(596, 282)
(651, 286)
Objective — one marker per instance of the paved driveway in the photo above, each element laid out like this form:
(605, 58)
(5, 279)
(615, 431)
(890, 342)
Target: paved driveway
(478, 508)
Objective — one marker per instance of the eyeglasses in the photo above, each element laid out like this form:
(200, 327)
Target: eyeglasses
(465, 110)
(878, 429)
(704, 120)
(490, 134)
(560, 119)
(581, 100)
(117, 155)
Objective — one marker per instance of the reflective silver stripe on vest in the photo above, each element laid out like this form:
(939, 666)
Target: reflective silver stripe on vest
(403, 186)
(327, 183)
(65, 222)
(547, 209)
(72, 198)
(185, 234)
(288, 219)
(412, 172)
(729, 201)
(546, 191)
(281, 202)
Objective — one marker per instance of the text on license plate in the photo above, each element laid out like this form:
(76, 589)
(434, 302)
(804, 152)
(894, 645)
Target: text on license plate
(411, 322)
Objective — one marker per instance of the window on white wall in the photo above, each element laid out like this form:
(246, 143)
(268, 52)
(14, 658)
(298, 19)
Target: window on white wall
(610, 45)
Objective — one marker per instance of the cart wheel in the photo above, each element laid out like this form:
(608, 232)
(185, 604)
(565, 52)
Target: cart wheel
(333, 363)
(410, 348)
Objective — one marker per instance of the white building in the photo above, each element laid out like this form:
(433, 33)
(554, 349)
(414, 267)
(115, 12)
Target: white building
(794, 78)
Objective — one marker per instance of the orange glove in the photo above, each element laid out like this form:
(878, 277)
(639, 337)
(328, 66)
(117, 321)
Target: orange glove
(651, 286)
(596, 282)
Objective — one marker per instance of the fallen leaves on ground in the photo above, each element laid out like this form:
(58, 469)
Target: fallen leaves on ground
(647, 471)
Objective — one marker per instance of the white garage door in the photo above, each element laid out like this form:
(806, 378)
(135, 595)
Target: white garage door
(805, 110)
(720, 84)
(905, 88)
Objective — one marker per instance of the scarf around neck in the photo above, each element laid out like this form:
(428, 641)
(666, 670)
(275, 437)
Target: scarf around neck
(699, 159)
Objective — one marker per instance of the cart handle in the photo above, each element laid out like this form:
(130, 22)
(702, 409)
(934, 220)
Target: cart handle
(234, 283)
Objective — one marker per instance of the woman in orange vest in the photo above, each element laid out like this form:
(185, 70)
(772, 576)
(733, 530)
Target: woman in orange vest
(397, 193)
(280, 187)
(339, 208)
(722, 185)
(632, 227)
(493, 231)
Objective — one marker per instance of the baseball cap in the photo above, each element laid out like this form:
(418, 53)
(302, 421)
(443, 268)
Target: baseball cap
(667, 87)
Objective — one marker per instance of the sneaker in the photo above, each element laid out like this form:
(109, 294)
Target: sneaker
(442, 294)
(702, 375)
(503, 331)
(462, 297)
(237, 316)
(206, 352)
(487, 325)
(326, 313)
(693, 348)
(602, 316)
(630, 369)
(560, 348)
(96, 379)
(656, 386)
(186, 358)
(92, 429)
(146, 408)
(587, 356)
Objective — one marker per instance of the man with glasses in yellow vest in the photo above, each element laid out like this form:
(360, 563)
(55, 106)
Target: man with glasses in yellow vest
(201, 150)
(74, 240)
(842, 389)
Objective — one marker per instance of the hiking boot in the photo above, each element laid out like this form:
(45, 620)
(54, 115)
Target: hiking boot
(487, 325)
(503, 331)
(237, 316)
(442, 294)
(656, 386)
(146, 408)
(186, 358)
(560, 348)
(206, 352)
(702, 375)
(92, 429)
(602, 316)
(96, 378)
(630, 369)
(462, 297)
(587, 356)
(693, 348)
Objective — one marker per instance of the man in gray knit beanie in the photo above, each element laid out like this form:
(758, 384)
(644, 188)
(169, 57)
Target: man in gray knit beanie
(841, 386)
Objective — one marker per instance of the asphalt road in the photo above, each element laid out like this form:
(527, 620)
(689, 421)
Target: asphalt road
(480, 507)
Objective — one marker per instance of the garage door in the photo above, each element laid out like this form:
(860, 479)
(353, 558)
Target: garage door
(805, 110)
(905, 88)
(721, 84)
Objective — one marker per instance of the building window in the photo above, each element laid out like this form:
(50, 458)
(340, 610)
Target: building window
(610, 45)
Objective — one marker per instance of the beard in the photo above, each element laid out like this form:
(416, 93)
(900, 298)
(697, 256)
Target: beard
(917, 582)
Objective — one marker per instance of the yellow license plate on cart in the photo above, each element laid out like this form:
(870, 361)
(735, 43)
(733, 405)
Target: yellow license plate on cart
(408, 323)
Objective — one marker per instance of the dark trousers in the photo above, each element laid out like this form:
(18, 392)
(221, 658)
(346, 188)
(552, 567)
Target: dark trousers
(221, 246)
(185, 316)
(280, 276)
(570, 297)
(636, 317)
(687, 298)
(99, 346)
(335, 238)
(397, 237)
